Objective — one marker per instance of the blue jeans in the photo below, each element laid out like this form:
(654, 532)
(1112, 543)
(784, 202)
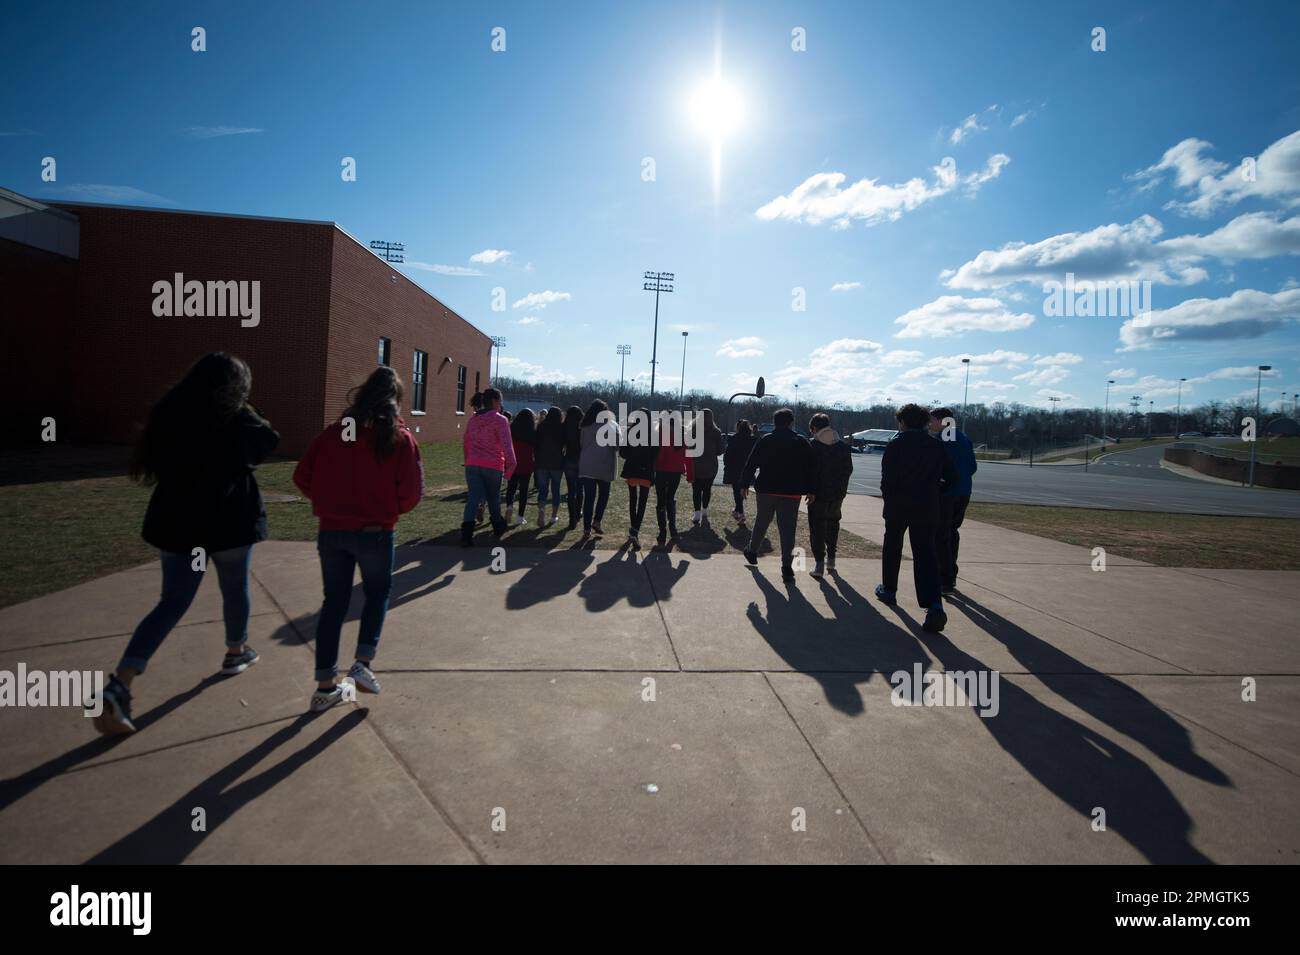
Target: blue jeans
(548, 480)
(484, 485)
(595, 494)
(341, 553)
(180, 582)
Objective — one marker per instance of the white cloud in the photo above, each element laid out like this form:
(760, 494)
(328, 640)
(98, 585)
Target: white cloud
(845, 286)
(1060, 358)
(490, 256)
(529, 320)
(1215, 183)
(954, 314)
(748, 347)
(517, 368)
(822, 198)
(1049, 375)
(541, 299)
(1021, 117)
(1255, 235)
(214, 132)
(968, 127)
(103, 192)
(1246, 313)
(456, 270)
(1122, 373)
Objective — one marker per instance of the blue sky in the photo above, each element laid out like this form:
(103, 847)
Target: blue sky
(1122, 164)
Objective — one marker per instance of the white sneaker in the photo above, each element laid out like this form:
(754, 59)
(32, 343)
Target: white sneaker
(520, 522)
(555, 513)
(324, 699)
(363, 677)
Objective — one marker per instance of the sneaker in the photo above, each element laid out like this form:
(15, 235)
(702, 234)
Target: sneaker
(751, 556)
(634, 540)
(935, 619)
(819, 571)
(738, 517)
(886, 597)
(830, 563)
(519, 521)
(115, 720)
(555, 515)
(238, 661)
(324, 699)
(597, 529)
(363, 677)
(695, 518)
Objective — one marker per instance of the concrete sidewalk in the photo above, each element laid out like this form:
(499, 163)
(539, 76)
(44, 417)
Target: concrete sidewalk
(523, 698)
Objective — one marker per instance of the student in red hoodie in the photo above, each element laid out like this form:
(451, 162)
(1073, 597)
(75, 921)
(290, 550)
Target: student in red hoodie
(360, 475)
(670, 465)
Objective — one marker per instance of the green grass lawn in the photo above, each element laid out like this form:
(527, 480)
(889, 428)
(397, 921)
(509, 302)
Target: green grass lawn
(1267, 450)
(1168, 540)
(71, 515)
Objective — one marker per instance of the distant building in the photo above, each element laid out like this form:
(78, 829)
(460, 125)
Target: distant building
(106, 306)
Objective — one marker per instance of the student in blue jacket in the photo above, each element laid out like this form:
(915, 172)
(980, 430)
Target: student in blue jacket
(952, 505)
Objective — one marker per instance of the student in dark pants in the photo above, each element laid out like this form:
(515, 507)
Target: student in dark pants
(734, 458)
(549, 462)
(703, 468)
(914, 472)
(952, 506)
(360, 476)
(833, 467)
(572, 455)
(639, 473)
(781, 469)
(670, 465)
(200, 445)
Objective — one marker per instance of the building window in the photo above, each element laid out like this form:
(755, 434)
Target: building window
(477, 389)
(417, 380)
(460, 388)
(385, 350)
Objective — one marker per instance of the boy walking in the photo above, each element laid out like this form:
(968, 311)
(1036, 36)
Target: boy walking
(952, 505)
(783, 463)
(832, 469)
(914, 472)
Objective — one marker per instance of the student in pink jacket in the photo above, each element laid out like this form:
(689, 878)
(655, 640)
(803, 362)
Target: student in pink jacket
(489, 457)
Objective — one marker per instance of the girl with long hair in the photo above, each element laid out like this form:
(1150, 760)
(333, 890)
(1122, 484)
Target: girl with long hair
(550, 464)
(739, 445)
(360, 474)
(572, 456)
(596, 465)
(489, 455)
(639, 472)
(523, 437)
(703, 469)
(199, 448)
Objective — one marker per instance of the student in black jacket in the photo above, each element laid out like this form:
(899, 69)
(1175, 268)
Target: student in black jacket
(638, 471)
(200, 446)
(734, 458)
(783, 463)
(549, 464)
(832, 469)
(914, 472)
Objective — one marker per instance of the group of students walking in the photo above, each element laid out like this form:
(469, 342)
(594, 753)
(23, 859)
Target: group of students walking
(200, 446)
(204, 439)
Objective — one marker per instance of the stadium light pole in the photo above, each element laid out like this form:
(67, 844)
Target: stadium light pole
(1134, 402)
(1054, 399)
(681, 385)
(498, 342)
(1178, 419)
(1151, 410)
(656, 282)
(623, 351)
(965, 397)
(1259, 380)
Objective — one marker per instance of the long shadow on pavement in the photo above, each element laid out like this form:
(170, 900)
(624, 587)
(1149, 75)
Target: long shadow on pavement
(840, 651)
(1100, 695)
(169, 838)
(1080, 767)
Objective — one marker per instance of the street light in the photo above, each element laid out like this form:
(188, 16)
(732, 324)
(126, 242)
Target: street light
(1134, 402)
(796, 406)
(623, 352)
(1054, 399)
(498, 343)
(1151, 408)
(1259, 379)
(1178, 421)
(656, 282)
(1105, 415)
(965, 398)
(681, 385)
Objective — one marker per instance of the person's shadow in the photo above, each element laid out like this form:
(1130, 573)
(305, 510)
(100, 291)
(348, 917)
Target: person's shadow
(169, 837)
(552, 575)
(1082, 768)
(839, 651)
(1098, 694)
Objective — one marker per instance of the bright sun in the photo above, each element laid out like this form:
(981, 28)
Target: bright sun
(716, 108)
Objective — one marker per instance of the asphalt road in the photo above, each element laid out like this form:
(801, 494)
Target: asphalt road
(1122, 481)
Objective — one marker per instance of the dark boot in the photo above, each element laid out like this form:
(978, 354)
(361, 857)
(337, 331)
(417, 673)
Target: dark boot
(672, 519)
(499, 526)
(467, 534)
(573, 515)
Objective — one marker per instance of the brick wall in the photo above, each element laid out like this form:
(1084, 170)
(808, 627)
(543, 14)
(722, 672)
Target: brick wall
(366, 304)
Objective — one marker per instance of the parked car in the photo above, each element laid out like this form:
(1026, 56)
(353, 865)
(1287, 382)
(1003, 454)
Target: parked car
(1191, 434)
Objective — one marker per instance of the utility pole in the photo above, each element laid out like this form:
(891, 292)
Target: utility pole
(1054, 399)
(681, 385)
(388, 251)
(656, 282)
(1134, 402)
(1151, 409)
(623, 351)
(498, 343)
(1259, 378)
